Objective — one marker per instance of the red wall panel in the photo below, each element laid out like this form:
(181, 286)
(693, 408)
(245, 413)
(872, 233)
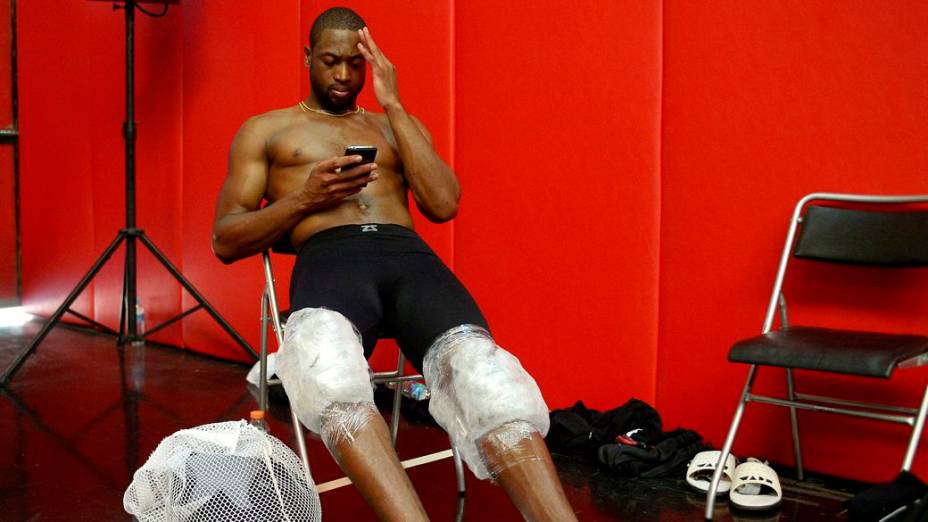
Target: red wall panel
(9, 292)
(239, 59)
(557, 128)
(764, 103)
(106, 78)
(56, 181)
(6, 66)
(8, 275)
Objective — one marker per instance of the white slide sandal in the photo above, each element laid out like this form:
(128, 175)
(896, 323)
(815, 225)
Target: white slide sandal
(755, 487)
(699, 472)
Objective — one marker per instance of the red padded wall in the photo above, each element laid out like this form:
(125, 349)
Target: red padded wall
(8, 274)
(557, 128)
(764, 103)
(239, 59)
(56, 145)
(8, 269)
(6, 69)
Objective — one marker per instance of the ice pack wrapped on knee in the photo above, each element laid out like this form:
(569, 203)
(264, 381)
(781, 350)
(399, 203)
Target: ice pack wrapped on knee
(477, 387)
(321, 363)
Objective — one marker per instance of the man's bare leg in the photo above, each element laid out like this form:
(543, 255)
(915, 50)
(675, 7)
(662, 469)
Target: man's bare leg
(523, 467)
(367, 457)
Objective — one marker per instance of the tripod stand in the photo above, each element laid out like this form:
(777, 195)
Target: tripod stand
(128, 321)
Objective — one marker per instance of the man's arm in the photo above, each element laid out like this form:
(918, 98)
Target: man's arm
(434, 186)
(242, 229)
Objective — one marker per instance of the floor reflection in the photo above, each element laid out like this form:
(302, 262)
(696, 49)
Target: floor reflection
(82, 415)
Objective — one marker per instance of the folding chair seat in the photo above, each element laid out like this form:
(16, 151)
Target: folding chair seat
(851, 352)
(272, 316)
(884, 232)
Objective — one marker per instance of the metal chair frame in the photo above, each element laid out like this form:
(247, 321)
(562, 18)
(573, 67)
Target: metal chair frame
(801, 401)
(270, 316)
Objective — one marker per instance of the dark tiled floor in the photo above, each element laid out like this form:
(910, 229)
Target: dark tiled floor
(82, 415)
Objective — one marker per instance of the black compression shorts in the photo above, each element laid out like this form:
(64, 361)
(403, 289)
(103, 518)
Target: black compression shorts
(387, 282)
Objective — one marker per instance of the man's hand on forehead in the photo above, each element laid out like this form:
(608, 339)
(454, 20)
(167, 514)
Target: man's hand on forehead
(385, 88)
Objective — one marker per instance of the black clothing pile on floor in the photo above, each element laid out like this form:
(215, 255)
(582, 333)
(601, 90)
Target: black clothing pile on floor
(881, 500)
(628, 441)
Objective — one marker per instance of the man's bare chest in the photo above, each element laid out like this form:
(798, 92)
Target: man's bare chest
(307, 144)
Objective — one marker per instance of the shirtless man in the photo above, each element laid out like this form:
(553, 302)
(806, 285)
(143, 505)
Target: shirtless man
(361, 268)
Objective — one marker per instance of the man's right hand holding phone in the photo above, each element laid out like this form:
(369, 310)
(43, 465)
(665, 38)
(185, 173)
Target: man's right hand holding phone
(327, 184)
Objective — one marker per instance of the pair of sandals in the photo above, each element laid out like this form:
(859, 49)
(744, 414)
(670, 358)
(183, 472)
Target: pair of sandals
(751, 485)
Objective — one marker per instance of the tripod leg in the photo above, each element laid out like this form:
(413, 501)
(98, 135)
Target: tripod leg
(104, 257)
(196, 295)
(123, 305)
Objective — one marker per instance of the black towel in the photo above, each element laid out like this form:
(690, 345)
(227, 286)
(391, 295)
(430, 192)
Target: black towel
(882, 499)
(667, 457)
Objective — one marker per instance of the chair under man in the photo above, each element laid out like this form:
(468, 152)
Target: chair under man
(272, 316)
(880, 232)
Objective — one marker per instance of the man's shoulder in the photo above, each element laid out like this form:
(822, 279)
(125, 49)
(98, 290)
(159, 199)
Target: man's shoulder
(268, 121)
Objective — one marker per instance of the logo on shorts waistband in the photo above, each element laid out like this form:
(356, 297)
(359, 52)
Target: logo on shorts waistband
(368, 228)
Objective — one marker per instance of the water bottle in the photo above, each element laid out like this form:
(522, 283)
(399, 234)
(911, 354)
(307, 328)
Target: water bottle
(139, 324)
(412, 389)
(256, 419)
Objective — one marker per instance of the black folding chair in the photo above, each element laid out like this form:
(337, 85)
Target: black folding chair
(271, 314)
(894, 236)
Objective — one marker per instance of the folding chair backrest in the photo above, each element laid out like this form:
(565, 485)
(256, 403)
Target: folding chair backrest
(862, 237)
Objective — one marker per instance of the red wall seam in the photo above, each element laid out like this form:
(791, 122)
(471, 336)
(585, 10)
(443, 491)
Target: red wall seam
(452, 108)
(660, 216)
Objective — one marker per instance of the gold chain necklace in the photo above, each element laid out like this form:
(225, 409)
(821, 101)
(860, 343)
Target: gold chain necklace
(306, 108)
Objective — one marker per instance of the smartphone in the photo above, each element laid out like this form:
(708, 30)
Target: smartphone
(367, 153)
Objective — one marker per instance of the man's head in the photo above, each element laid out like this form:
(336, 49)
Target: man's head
(336, 66)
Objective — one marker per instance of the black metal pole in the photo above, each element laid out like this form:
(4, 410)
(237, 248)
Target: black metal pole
(129, 135)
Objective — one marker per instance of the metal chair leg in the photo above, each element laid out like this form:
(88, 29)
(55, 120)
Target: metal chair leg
(458, 470)
(459, 515)
(270, 297)
(300, 441)
(397, 399)
(794, 421)
(262, 380)
(729, 440)
(916, 433)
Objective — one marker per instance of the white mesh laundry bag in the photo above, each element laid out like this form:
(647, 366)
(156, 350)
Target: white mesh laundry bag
(228, 471)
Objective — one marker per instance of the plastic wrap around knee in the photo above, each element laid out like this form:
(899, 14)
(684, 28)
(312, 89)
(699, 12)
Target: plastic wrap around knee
(477, 387)
(507, 446)
(322, 367)
(341, 421)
